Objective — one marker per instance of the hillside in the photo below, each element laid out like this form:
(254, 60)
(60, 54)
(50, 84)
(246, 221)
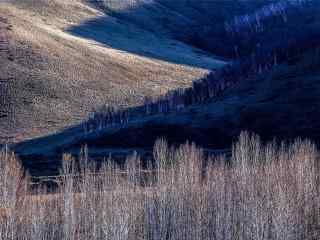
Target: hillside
(160, 119)
(282, 103)
(271, 88)
(198, 23)
(52, 76)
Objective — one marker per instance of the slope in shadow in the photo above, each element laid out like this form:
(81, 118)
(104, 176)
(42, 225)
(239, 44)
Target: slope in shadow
(117, 31)
(276, 104)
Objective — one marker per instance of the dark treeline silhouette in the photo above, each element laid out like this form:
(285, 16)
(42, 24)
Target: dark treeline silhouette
(244, 34)
(281, 40)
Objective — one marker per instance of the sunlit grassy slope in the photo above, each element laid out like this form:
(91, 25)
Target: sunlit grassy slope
(60, 59)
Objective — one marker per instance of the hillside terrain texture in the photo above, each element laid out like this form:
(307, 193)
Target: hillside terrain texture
(62, 59)
(242, 65)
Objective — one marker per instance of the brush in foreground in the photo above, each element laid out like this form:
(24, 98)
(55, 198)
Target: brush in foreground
(261, 192)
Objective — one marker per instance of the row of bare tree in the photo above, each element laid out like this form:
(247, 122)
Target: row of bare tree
(261, 192)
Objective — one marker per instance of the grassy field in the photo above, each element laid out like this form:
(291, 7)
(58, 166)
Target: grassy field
(54, 77)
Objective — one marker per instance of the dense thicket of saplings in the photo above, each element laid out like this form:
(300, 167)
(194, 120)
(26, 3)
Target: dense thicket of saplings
(263, 192)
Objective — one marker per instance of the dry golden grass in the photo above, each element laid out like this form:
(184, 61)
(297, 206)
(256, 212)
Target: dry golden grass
(58, 78)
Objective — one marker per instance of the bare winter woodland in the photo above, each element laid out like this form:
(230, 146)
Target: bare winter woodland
(262, 192)
(118, 74)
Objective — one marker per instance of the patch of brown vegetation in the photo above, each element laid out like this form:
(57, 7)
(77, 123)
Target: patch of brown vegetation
(4, 214)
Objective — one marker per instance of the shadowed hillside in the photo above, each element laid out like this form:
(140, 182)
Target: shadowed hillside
(52, 79)
(271, 89)
(66, 58)
(282, 103)
(198, 23)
